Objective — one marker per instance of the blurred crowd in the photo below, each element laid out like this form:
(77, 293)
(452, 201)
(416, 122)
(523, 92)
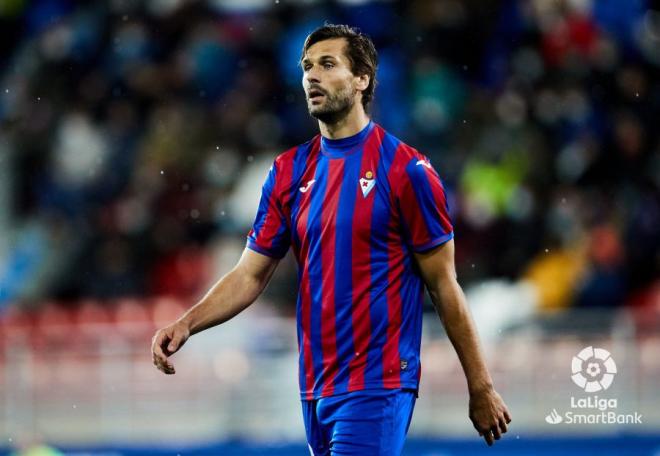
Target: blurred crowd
(135, 136)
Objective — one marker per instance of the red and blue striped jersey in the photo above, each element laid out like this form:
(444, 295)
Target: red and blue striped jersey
(353, 210)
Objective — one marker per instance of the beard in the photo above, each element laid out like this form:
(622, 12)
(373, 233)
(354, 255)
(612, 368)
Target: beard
(336, 106)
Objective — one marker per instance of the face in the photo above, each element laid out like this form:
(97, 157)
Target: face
(331, 89)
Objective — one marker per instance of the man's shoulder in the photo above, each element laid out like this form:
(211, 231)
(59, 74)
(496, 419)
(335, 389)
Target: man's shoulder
(397, 151)
(302, 149)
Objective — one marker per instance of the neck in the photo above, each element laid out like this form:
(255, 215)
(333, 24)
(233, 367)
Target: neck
(349, 125)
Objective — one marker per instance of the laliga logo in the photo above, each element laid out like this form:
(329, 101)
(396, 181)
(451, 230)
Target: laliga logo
(593, 369)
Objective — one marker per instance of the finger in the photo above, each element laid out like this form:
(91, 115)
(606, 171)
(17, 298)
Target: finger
(496, 432)
(503, 426)
(166, 367)
(162, 363)
(156, 347)
(175, 343)
(507, 416)
(157, 362)
(488, 437)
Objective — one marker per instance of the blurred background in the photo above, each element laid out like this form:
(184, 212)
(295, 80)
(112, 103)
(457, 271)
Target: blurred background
(134, 139)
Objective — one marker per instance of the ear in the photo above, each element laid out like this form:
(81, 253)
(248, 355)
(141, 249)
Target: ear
(362, 82)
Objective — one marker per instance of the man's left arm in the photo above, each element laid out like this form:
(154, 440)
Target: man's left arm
(488, 413)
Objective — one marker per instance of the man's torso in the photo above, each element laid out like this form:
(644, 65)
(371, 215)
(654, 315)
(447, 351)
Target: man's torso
(359, 307)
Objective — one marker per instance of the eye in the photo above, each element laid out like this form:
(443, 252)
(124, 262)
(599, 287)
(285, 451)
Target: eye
(328, 65)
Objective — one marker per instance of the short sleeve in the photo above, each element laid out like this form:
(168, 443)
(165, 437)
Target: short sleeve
(270, 234)
(423, 206)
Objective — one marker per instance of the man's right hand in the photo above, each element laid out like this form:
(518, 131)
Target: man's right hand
(227, 298)
(166, 342)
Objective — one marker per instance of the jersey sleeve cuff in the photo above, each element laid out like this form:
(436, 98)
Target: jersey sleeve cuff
(433, 243)
(267, 252)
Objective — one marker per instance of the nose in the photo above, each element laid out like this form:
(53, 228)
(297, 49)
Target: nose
(312, 75)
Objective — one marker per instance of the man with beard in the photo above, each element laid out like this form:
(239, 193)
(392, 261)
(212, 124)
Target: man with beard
(366, 217)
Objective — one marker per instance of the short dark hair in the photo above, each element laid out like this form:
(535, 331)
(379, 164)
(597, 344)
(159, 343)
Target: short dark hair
(360, 51)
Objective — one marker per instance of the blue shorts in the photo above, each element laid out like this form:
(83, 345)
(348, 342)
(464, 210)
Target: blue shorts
(365, 423)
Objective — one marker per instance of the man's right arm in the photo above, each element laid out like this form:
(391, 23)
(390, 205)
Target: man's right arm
(233, 293)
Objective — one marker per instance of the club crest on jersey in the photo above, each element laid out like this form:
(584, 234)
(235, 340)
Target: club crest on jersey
(367, 183)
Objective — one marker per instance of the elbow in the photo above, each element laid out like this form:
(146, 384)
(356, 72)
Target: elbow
(435, 294)
(253, 284)
(437, 298)
(445, 291)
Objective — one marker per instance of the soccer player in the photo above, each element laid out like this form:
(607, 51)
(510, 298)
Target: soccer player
(366, 217)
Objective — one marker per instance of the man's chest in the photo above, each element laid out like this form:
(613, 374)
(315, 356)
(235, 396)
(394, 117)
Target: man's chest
(345, 198)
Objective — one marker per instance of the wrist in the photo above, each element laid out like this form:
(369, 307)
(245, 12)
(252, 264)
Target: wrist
(481, 387)
(186, 321)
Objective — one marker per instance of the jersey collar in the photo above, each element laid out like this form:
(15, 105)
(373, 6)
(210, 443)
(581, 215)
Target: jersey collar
(339, 148)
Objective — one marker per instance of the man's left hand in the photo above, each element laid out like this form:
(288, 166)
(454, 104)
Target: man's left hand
(489, 415)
